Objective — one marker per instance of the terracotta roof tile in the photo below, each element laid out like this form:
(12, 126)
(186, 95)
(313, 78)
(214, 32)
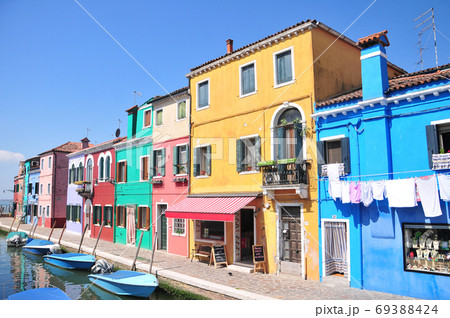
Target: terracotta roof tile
(69, 147)
(375, 38)
(397, 83)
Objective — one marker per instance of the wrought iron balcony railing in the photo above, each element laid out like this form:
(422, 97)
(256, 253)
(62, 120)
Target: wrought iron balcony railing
(283, 172)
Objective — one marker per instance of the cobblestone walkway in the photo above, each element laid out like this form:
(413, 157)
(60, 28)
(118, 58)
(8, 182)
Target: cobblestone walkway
(166, 265)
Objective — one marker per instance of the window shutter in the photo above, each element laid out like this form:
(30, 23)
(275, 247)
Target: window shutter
(257, 152)
(125, 171)
(239, 155)
(320, 156)
(70, 176)
(151, 164)
(144, 168)
(196, 165)
(208, 160)
(67, 213)
(175, 159)
(188, 161)
(163, 164)
(432, 143)
(345, 150)
(118, 179)
(280, 141)
(298, 143)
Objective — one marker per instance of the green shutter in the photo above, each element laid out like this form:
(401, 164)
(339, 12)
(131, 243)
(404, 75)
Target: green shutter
(281, 154)
(320, 156)
(208, 160)
(188, 159)
(196, 169)
(67, 213)
(151, 165)
(299, 143)
(163, 164)
(175, 160)
(345, 151)
(432, 143)
(239, 155)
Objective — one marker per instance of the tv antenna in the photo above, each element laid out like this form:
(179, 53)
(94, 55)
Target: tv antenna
(138, 94)
(424, 17)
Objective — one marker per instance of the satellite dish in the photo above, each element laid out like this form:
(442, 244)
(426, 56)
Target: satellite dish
(117, 132)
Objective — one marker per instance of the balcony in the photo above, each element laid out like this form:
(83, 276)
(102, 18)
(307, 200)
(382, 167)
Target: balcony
(441, 161)
(324, 172)
(84, 189)
(283, 172)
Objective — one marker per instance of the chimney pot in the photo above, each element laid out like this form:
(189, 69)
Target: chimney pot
(229, 45)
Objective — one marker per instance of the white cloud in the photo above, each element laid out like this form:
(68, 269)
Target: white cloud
(8, 156)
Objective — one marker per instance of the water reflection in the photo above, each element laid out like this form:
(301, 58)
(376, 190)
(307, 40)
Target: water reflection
(22, 271)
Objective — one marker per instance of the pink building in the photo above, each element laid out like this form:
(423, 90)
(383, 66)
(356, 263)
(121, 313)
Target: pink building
(53, 184)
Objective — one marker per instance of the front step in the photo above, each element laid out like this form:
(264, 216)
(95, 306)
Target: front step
(241, 267)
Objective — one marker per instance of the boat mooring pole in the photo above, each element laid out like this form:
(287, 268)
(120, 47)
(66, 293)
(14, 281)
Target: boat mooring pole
(18, 224)
(98, 237)
(153, 252)
(14, 220)
(35, 226)
(51, 232)
(82, 236)
(64, 228)
(133, 267)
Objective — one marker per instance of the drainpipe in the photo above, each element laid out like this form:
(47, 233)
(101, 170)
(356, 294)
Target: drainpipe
(53, 186)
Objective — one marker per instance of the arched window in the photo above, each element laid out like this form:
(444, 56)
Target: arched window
(289, 134)
(89, 170)
(80, 172)
(108, 167)
(73, 172)
(101, 169)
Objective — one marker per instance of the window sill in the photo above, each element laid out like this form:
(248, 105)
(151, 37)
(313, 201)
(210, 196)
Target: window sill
(180, 235)
(248, 94)
(181, 119)
(181, 175)
(249, 172)
(202, 177)
(283, 84)
(143, 229)
(202, 108)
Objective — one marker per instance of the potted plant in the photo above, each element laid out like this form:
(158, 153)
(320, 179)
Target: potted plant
(202, 173)
(181, 169)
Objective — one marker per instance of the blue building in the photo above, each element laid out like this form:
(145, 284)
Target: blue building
(391, 138)
(31, 192)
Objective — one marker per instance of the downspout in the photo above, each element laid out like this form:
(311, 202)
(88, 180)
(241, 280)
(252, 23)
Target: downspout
(191, 163)
(53, 187)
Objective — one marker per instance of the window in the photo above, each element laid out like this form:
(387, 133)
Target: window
(333, 150)
(147, 118)
(212, 230)
(36, 188)
(49, 162)
(203, 94)
(101, 168)
(289, 135)
(71, 172)
(108, 168)
(30, 188)
(73, 213)
(144, 217)
(159, 117)
(248, 153)
(42, 189)
(180, 159)
(89, 170)
(48, 211)
(144, 168)
(438, 141)
(202, 161)
(247, 79)
(42, 164)
(122, 171)
(108, 215)
(159, 168)
(97, 215)
(426, 247)
(40, 210)
(80, 172)
(179, 226)
(120, 216)
(48, 188)
(181, 110)
(283, 63)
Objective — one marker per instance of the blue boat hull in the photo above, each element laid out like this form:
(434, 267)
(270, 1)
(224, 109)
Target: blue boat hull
(40, 294)
(70, 263)
(37, 251)
(120, 288)
(39, 247)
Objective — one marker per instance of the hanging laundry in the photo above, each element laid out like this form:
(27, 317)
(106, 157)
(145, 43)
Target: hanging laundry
(444, 186)
(366, 193)
(428, 191)
(401, 193)
(333, 171)
(355, 192)
(335, 189)
(378, 189)
(345, 192)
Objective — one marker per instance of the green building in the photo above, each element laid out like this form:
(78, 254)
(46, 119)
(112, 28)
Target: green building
(133, 189)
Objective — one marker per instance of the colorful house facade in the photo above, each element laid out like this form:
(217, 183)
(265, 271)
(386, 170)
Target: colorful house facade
(53, 183)
(133, 189)
(383, 153)
(169, 169)
(33, 176)
(253, 145)
(74, 206)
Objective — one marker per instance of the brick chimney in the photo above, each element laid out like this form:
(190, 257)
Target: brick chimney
(85, 143)
(229, 45)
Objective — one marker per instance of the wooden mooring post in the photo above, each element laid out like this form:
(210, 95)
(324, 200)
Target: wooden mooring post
(14, 220)
(51, 232)
(133, 267)
(82, 236)
(98, 237)
(60, 237)
(35, 223)
(153, 252)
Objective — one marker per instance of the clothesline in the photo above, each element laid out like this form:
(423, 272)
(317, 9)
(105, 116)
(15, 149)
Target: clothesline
(387, 173)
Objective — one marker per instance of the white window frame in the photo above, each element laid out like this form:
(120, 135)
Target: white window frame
(156, 117)
(205, 175)
(148, 109)
(249, 137)
(102, 155)
(108, 154)
(140, 168)
(241, 95)
(149, 216)
(275, 85)
(197, 95)
(187, 108)
(93, 222)
(155, 162)
(48, 188)
(173, 228)
(187, 158)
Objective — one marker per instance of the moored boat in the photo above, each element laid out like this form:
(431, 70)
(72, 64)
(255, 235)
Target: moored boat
(37, 246)
(16, 239)
(46, 293)
(126, 283)
(71, 260)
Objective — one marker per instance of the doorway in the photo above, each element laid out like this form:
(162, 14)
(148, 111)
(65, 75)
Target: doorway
(87, 216)
(247, 234)
(162, 226)
(131, 224)
(335, 248)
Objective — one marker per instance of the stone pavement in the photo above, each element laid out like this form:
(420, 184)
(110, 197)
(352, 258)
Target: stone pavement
(223, 281)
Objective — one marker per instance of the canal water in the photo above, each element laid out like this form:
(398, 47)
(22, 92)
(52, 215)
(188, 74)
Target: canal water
(21, 271)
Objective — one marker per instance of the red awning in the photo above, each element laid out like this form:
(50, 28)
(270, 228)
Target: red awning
(208, 208)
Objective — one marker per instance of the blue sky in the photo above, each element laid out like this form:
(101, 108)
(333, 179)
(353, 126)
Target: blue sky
(61, 74)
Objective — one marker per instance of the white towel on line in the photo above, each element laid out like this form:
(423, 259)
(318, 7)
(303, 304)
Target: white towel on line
(444, 186)
(378, 189)
(428, 191)
(401, 193)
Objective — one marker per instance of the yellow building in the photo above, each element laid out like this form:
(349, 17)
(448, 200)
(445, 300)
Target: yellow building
(253, 145)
